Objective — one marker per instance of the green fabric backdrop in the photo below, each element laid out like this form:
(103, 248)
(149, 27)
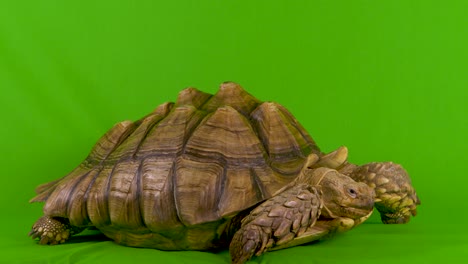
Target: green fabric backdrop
(389, 79)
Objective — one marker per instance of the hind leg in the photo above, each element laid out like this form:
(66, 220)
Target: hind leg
(53, 230)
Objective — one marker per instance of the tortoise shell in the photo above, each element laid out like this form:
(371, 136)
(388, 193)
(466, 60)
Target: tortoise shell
(174, 179)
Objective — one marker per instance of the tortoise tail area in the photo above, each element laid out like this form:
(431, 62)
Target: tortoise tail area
(106, 144)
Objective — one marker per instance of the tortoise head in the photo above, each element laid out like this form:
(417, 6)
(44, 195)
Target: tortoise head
(341, 195)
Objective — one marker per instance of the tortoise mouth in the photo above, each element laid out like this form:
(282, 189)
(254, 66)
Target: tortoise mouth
(357, 212)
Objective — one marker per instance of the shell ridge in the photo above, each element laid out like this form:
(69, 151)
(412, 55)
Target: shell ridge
(196, 186)
(161, 112)
(202, 106)
(233, 95)
(85, 196)
(170, 134)
(256, 128)
(129, 131)
(123, 206)
(261, 191)
(107, 191)
(174, 191)
(289, 127)
(42, 194)
(188, 134)
(136, 138)
(69, 206)
(192, 96)
(138, 194)
(300, 129)
(148, 130)
(156, 200)
(187, 137)
(286, 173)
(45, 186)
(283, 138)
(221, 188)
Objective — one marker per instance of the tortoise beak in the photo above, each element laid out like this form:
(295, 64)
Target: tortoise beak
(368, 205)
(365, 202)
(368, 198)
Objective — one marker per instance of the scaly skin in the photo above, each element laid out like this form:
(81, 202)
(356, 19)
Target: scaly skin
(53, 231)
(275, 222)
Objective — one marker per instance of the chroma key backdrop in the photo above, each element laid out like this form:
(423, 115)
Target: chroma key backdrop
(387, 79)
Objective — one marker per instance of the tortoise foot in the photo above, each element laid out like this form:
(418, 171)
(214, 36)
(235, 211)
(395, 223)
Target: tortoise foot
(396, 199)
(52, 230)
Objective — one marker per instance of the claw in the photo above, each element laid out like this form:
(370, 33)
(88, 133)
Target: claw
(44, 240)
(33, 234)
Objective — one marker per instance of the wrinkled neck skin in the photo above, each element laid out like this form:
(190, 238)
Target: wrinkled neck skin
(326, 213)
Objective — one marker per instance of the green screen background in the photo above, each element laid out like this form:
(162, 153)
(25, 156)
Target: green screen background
(388, 79)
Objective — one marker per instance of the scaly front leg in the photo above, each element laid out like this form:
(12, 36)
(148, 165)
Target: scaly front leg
(276, 222)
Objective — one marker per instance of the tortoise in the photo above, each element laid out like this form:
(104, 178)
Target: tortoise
(218, 171)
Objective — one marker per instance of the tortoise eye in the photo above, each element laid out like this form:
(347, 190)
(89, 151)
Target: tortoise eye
(352, 192)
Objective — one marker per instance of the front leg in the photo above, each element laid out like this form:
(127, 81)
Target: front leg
(396, 199)
(276, 222)
(53, 230)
